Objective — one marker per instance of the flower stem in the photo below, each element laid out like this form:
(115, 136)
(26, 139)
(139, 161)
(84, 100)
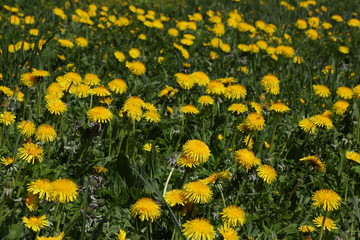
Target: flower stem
(168, 180)
(322, 227)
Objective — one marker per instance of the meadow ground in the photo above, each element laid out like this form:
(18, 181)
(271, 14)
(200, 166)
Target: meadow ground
(194, 120)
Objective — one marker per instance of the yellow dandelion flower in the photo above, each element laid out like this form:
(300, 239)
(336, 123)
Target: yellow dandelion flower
(81, 90)
(152, 116)
(41, 187)
(189, 109)
(137, 68)
(45, 133)
(354, 22)
(198, 229)
(257, 107)
(31, 152)
(345, 93)
(312, 34)
(134, 53)
(168, 92)
(99, 115)
(215, 87)
(183, 161)
(81, 42)
(214, 177)
(246, 158)
(146, 209)
(56, 106)
(306, 229)
(271, 84)
(237, 108)
(197, 150)
(197, 192)
(26, 128)
(58, 237)
(32, 201)
(35, 223)
(66, 43)
(99, 169)
(316, 162)
(228, 233)
(233, 216)
(175, 197)
(322, 121)
(72, 78)
(340, 107)
(91, 79)
(64, 190)
(206, 100)
(356, 91)
(40, 73)
(200, 78)
(279, 107)
(353, 156)
(100, 91)
(328, 223)
(120, 56)
(185, 81)
(307, 126)
(344, 49)
(326, 199)
(28, 79)
(121, 235)
(7, 118)
(267, 173)
(117, 86)
(235, 91)
(7, 160)
(255, 122)
(321, 91)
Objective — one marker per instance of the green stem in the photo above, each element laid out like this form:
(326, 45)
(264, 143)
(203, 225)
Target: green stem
(59, 215)
(218, 186)
(294, 189)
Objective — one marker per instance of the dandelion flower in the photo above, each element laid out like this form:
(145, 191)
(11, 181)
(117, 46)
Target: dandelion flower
(7, 118)
(328, 223)
(237, 108)
(185, 81)
(271, 84)
(279, 107)
(91, 79)
(200, 78)
(28, 79)
(64, 190)
(58, 237)
(228, 233)
(326, 199)
(340, 107)
(189, 109)
(322, 121)
(146, 209)
(206, 100)
(353, 156)
(197, 192)
(233, 215)
(152, 116)
(41, 187)
(134, 53)
(26, 128)
(345, 93)
(137, 68)
(32, 201)
(316, 162)
(7, 160)
(307, 126)
(267, 173)
(183, 161)
(35, 223)
(215, 87)
(235, 91)
(168, 91)
(121, 235)
(81, 42)
(45, 133)
(198, 229)
(40, 73)
(117, 86)
(31, 152)
(197, 150)
(356, 91)
(255, 122)
(306, 229)
(344, 49)
(175, 197)
(321, 91)
(66, 43)
(246, 158)
(120, 56)
(56, 106)
(100, 91)
(99, 115)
